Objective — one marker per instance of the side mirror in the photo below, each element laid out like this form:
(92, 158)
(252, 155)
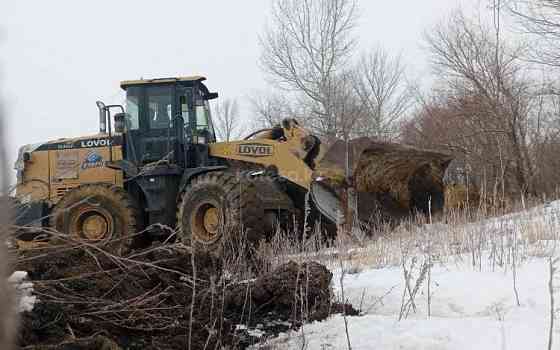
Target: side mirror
(120, 119)
(211, 96)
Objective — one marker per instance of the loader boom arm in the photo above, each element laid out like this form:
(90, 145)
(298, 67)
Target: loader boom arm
(285, 149)
(390, 178)
(266, 153)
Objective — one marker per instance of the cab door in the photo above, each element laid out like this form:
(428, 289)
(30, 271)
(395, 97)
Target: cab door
(158, 136)
(184, 117)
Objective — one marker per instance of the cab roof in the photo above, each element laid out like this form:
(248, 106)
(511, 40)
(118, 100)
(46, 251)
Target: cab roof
(196, 78)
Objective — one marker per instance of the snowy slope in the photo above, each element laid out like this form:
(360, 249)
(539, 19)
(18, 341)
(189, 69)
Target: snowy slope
(471, 307)
(470, 310)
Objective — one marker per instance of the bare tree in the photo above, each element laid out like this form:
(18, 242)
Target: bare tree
(348, 111)
(269, 108)
(540, 18)
(227, 122)
(6, 297)
(304, 47)
(487, 86)
(379, 82)
(544, 134)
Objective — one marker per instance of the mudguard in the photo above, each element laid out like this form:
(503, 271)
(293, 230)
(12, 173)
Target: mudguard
(189, 174)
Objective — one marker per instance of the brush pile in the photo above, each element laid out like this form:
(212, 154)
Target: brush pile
(163, 297)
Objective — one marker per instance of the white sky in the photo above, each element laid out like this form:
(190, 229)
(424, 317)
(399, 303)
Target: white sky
(58, 57)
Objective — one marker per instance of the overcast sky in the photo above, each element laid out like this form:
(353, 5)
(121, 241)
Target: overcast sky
(58, 57)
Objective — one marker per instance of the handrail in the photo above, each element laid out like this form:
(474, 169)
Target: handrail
(256, 132)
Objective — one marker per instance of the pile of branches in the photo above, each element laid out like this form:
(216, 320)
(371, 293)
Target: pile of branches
(163, 297)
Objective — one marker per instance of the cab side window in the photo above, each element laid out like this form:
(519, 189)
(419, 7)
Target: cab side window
(132, 108)
(204, 125)
(186, 109)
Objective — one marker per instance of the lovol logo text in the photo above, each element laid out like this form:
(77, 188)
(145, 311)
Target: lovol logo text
(95, 143)
(255, 150)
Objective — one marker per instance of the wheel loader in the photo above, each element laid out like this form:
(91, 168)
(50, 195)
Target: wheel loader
(156, 167)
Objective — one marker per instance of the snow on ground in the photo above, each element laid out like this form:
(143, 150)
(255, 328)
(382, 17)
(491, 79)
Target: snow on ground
(24, 290)
(471, 307)
(470, 310)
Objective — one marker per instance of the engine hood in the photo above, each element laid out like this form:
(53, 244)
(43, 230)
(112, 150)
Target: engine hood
(95, 140)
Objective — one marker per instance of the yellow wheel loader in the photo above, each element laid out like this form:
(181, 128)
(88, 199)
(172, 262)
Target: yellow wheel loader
(155, 167)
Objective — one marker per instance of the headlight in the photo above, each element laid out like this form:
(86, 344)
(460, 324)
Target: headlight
(20, 162)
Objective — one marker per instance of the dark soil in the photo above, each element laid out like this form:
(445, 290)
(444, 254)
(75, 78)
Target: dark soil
(155, 300)
(281, 300)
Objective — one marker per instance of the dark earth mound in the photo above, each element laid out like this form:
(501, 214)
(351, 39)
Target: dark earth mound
(154, 299)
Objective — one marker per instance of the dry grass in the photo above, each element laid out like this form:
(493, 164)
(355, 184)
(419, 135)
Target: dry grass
(474, 234)
(452, 236)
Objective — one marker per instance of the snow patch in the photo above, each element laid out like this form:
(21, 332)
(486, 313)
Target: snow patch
(24, 291)
(17, 277)
(257, 333)
(469, 310)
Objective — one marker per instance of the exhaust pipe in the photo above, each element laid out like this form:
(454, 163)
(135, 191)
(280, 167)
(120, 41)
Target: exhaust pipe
(102, 117)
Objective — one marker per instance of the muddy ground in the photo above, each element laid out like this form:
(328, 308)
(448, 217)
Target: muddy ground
(155, 299)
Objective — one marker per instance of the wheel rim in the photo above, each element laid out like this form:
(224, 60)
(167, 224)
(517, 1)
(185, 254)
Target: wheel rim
(93, 224)
(206, 222)
(211, 220)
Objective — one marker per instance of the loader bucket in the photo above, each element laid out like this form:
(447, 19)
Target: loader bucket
(388, 181)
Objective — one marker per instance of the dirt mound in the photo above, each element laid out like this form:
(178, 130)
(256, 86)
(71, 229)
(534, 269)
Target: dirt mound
(141, 302)
(283, 292)
(155, 299)
(283, 299)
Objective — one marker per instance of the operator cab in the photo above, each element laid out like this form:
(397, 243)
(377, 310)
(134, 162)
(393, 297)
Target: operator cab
(165, 118)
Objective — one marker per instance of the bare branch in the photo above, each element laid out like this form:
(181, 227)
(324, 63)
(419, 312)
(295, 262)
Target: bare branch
(541, 20)
(304, 48)
(379, 82)
(227, 122)
(487, 91)
(268, 109)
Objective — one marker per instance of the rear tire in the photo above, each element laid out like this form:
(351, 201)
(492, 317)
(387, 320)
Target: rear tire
(100, 214)
(220, 210)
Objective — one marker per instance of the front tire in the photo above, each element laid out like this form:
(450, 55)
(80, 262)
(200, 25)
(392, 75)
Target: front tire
(220, 209)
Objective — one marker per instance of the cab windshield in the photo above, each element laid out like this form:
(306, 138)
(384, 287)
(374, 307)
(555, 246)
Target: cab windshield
(156, 107)
(160, 100)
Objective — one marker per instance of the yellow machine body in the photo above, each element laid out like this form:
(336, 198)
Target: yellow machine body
(54, 168)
